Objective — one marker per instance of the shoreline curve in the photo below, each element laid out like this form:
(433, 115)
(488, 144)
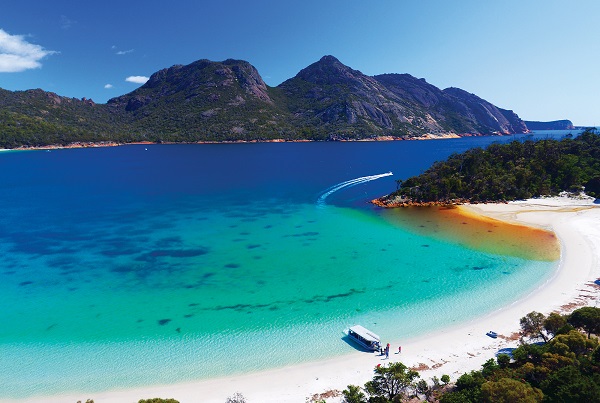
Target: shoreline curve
(451, 351)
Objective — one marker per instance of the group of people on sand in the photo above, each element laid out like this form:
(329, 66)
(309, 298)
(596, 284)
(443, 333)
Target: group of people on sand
(386, 351)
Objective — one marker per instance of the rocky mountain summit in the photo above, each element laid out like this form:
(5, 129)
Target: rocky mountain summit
(229, 101)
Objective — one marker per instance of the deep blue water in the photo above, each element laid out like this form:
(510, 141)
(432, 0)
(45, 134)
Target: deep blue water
(135, 256)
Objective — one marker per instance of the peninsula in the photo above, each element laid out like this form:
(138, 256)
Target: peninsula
(506, 172)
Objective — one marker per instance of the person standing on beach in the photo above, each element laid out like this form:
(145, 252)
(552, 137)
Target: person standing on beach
(387, 351)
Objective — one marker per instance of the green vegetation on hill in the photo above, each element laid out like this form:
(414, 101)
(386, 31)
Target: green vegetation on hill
(503, 172)
(229, 101)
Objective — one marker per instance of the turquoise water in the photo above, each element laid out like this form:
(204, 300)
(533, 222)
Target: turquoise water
(129, 267)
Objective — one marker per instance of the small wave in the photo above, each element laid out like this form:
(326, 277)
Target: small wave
(348, 183)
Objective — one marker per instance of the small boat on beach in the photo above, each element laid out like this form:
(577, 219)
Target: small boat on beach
(364, 337)
(492, 334)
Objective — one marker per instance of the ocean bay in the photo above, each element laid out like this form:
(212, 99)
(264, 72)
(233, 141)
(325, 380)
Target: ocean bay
(177, 254)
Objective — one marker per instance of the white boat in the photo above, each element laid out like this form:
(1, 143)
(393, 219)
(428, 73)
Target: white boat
(364, 337)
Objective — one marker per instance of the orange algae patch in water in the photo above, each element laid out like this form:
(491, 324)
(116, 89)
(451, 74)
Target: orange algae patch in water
(478, 232)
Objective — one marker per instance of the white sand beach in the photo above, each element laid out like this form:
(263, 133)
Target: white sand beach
(451, 351)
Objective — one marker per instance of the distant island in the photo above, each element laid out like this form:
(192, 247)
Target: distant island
(505, 172)
(554, 125)
(229, 101)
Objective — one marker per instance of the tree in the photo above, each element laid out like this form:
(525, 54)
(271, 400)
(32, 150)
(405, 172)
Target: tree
(236, 398)
(573, 342)
(391, 381)
(507, 390)
(158, 400)
(586, 318)
(554, 323)
(568, 384)
(445, 379)
(353, 394)
(422, 388)
(503, 360)
(532, 325)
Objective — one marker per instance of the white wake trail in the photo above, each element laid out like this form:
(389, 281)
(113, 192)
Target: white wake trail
(349, 183)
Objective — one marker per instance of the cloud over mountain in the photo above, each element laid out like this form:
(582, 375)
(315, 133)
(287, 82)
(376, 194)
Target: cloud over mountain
(137, 79)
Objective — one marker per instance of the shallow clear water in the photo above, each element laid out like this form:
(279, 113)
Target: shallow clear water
(142, 265)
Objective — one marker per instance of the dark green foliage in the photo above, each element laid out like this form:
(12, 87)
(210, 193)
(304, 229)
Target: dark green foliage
(565, 369)
(353, 394)
(554, 323)
(391, 381)
(158, 400)
(568, 384)
(503, 360)
(517, 170)
(468, 389)
(586, 318)
(507, 390)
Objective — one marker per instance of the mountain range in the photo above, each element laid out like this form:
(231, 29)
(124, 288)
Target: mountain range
(229, 101)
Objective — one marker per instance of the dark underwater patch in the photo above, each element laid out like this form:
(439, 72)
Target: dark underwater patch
(304, 234)
(169, 242)
(63, 263)
(252, 246)
(174, 253)
(24, 283)
(161, 225)
(232, 265)
(118, 252)
(162, 322)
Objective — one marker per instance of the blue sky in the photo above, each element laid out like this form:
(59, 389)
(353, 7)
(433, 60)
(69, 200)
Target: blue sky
(539, 58)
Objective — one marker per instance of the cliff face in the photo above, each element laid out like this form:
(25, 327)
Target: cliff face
(227, 101)
(482, 116)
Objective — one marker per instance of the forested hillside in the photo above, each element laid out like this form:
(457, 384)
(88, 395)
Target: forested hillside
(229, 101)
(503, 172)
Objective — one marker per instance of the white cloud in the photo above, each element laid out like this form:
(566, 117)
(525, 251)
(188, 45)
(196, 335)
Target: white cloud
(16, 54)
(108, 86)
(137, 79)
(124, 52)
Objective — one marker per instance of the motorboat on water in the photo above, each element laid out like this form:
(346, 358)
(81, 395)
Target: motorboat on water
(364, 337)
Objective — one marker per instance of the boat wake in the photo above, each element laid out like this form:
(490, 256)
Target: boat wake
(349, 183)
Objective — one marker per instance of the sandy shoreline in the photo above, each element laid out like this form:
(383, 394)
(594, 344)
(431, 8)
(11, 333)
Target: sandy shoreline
(449, 351)
(99, 144)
